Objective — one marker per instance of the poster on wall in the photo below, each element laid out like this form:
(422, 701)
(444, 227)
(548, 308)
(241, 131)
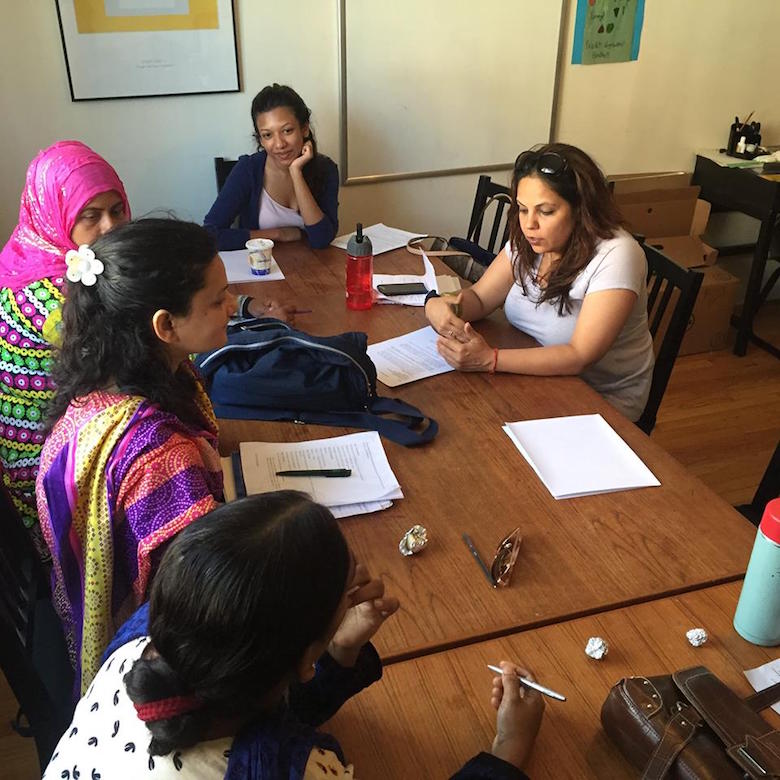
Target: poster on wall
(607, 31)
(142, 48)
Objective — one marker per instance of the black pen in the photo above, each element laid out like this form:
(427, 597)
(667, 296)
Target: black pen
(315, 473)
(478, 559)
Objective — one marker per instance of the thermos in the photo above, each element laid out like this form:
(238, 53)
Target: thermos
(360, 271)
(757, 618)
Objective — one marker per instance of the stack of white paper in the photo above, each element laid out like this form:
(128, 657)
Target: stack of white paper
(579, 456)
(428, 279)
(383, 238)
(408, 358)
(236, 264)
(371, 486)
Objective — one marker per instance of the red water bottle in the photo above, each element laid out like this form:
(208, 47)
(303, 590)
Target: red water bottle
(360, 271)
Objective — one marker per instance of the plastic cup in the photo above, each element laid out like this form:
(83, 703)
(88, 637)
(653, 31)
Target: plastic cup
(260, 255)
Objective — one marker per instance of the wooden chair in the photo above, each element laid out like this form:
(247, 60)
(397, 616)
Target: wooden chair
(222, 168)
(768, 488)
(487, 189)
(666, 279)
(33, 656)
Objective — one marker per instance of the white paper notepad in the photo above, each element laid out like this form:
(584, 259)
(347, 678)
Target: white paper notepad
(236, 263)
(579, 456)
(408, 358)
(371, 486)
(383, 238)
(428, 279)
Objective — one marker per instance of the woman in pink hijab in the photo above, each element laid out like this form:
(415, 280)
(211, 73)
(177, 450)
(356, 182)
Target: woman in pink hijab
(71, 196)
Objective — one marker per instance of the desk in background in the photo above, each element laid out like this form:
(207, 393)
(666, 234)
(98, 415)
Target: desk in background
(429, 715)
(739, 189)
(579, 556)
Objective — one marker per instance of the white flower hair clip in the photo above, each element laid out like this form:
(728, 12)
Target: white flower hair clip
(83, 266)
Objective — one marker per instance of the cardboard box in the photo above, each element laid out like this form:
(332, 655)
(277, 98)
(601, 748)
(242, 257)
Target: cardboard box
(710, 324)
(709, 327)
(641, 182)
(672, 221)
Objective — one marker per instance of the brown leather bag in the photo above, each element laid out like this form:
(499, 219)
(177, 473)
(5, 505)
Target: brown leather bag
(691, 726)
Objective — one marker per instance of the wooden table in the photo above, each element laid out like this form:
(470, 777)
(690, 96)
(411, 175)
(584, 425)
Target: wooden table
(427, 716)
(579, 556)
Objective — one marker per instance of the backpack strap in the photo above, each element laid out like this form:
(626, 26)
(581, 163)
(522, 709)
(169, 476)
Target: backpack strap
(400, 431)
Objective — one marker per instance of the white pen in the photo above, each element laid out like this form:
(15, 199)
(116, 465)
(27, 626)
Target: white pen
(531, 684)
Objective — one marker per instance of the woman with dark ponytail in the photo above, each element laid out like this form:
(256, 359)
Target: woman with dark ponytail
(286, 189)
(132, 456)
(257, 630)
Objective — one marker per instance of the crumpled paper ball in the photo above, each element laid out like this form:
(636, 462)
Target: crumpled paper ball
(697, 636)
(414, 540)
(596, 648)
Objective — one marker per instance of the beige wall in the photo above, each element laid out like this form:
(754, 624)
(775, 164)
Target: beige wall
(700, 63)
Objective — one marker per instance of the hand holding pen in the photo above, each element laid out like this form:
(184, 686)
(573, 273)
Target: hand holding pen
(518, 717)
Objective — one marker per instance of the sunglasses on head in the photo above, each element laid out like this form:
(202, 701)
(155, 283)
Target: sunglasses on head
(547, 163)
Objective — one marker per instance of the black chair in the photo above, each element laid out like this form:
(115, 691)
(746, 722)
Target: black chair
(33, 655)
(664, 279)
(767, 489)
(732, 189)
(222, 168)
(487, 189)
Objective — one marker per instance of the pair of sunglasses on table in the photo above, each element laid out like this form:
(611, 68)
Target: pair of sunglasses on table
(499, 573)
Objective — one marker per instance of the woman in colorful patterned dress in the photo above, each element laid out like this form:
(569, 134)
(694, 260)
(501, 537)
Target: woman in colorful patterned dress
(132, 458)
(71, 196)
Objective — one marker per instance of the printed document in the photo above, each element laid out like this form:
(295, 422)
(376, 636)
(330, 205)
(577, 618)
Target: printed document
(763, 676)
(236, 264)
(383, 238)
(408, 358)
(372, 480)
(579, 456)
(428, 279)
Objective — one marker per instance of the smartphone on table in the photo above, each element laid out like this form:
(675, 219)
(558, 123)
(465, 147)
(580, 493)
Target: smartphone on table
(408, 288)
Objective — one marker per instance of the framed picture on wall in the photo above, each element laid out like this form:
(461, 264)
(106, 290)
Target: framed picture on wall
(144, 48)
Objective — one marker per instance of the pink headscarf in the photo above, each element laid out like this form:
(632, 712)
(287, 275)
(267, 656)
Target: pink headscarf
(61, 180)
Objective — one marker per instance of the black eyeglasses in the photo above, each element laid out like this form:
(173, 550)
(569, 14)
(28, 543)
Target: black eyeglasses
(548, 163)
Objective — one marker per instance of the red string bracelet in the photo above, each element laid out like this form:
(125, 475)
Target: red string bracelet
(167, 708)
(495, 360)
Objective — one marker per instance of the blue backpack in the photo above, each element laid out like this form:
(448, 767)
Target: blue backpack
(270, 371)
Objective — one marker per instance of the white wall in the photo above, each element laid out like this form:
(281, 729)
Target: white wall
(700, 63)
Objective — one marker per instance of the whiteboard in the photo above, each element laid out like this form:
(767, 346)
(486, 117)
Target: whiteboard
(436, 87)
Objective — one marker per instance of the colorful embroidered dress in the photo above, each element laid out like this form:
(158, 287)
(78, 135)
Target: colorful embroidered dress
(26, 317)
(118, 478)
(61, 180)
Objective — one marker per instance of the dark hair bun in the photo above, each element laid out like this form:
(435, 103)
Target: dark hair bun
(151, 679)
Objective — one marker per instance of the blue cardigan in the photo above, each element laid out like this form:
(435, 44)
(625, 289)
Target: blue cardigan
(240, 197)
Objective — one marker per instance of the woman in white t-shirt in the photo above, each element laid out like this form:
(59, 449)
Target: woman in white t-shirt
(570, 276)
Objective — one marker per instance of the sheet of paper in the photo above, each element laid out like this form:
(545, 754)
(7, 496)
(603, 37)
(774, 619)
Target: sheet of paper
(579, 456)
(372, 478)
(763, 676)
(408, 358)
(428, 279)
(448, 285)
(228, 479)
(236, 264)
(383, 238)
(350, 510)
